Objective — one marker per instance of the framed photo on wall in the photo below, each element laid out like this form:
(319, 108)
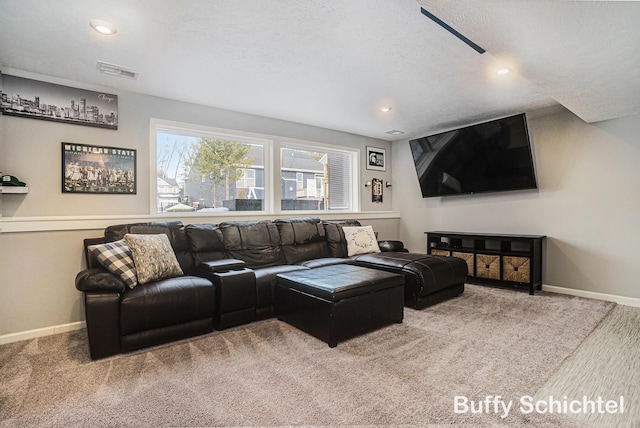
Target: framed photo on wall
(376, 159)
(376, 190)
(34, 99)
(98, 169)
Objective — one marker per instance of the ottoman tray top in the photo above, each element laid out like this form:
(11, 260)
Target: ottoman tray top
(337, 282)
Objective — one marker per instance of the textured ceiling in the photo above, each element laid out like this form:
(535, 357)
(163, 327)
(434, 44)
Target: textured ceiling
(583, 54)
(333, 63)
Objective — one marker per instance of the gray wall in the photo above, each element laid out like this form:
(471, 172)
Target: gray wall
(31, 151)
(588, 202)
(42, 232)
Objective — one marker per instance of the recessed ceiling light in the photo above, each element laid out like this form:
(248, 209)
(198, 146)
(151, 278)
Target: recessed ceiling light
(395, 132)
(103, 27)
(385, 109)
(503, 70)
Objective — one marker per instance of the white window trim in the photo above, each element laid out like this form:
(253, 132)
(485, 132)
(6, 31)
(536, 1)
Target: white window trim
(272, 145)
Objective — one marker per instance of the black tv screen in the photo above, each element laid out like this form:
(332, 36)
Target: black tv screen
(488, 157)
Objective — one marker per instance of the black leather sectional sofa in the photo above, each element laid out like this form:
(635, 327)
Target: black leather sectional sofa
(229, 278)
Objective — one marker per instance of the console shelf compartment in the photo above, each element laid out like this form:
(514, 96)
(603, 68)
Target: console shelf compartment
(499, 260)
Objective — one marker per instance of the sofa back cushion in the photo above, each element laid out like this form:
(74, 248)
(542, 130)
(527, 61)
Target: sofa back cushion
(257, 243)
(174, 230)
(302, 239)
(90, 257)
(205, 242)
(335, 236)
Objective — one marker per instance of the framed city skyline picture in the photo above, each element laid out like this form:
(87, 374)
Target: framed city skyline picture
(48, 101)
(98, 169)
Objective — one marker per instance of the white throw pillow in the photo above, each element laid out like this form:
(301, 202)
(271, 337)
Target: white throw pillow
(360, 240)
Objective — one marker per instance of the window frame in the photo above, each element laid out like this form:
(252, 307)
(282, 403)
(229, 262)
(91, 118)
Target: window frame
(353, 155)
(272, 146)
(244, 178)
(299, 181)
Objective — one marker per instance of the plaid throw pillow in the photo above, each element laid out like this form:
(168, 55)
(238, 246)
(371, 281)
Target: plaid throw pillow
(116, 258)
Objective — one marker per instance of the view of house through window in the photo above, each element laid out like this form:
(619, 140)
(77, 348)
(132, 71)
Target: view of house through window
(205, 171)
(208, 173)
(314, 178)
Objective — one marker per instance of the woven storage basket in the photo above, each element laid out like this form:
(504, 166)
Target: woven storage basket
(487, 266)
(467, 257)
(436, 252)
(516, 269)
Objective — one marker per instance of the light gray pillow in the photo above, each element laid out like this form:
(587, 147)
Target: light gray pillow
(153, 257)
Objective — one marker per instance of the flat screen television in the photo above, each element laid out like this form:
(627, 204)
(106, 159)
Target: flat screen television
(492, 156)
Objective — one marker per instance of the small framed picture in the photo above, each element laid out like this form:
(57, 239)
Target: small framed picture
(376, 159)
(98, 169)
(376, 190)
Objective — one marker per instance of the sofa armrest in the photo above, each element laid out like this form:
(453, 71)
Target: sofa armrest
(96, 279)
(397, 246)
(223, 265)
(102, 315)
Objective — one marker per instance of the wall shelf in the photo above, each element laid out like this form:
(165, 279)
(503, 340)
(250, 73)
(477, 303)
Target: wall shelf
(14, 189)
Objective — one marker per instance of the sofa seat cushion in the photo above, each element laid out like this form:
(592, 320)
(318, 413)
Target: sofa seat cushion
(166, 302)
(266, 282)
(327, 261)
(433, 273)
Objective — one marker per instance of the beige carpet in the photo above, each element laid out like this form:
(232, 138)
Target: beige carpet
(486, 342)
(606, 365)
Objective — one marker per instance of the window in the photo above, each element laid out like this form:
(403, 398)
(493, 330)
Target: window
(204, 169)
(246, 185)
(300, 180)
(316, 178)
(247, 179)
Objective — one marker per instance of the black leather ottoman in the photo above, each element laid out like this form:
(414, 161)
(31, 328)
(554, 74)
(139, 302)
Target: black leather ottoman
(337, 302)
(428, 279)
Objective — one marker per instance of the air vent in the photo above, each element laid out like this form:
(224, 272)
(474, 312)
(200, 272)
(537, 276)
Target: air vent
(116, 70)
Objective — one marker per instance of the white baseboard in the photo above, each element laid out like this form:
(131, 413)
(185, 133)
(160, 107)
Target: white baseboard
(40, 332)
(621, 300)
